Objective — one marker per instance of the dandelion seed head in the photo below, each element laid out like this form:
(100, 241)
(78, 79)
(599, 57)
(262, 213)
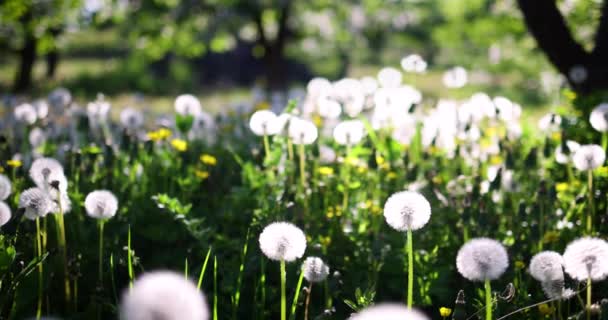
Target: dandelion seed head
(26, 113)
(456, 77)
(264, 122)
(317, 87)
(187, 105)
(131, 118)
(60, 98)
(5, 213)
(36, 203)
(599, 117)
(555, 289)
(42, 108)
(98, 111)
(37, 137)
(389, 77)
(388, 311)
(282, 241)
(587, 258)
(45, 172)
(5, 187)
(413, 63)
(564, 156)
(588, 157)
(482, 259)
(163, 295)
(550, 122)
(101, 204)
(407, 210)
(547, 266)
(328, 108)
(302, 131)
(349, 132)
(315, 270)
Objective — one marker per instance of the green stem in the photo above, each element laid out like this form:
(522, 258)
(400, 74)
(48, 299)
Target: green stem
(215, 288)
(296, 295)
(605, 141)
(62, 249)
(283, 300)
(308, 293)
(591, 210)
(541, 230)
(488, 300)
(40, 270)
(204, 267)
(129, 258)
(410, 270)
(100, 270)
(302, 167)
(266, 148)
(588, 306)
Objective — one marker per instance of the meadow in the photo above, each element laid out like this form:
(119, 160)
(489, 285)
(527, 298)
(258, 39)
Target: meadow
(360, 198)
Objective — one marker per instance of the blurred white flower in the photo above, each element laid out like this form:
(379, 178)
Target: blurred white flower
(37, 137)
(163, 295)
(413, 63)
(578, 74)
(5, 213)
(36, 203)
(564, 156)
(131, 118)
(456, 77)
(587, 258)
(5, 187)
(547, 267)
(349, 132)
(315, 270)
(407, 210)
(187, 105)
(388, 311)
(482, 259)
(327, 154)
(101, 204)
(264, 122)
(550, 122)
(282, 241)
(599, 118)
(42, 108)
(506, 110)
(26, 113)
(389, 77)
(404, 130)
(47, 174)
(60, 98)
(302, 131)
(588, 157)
(98, 111)
(328, 108)
(318, 87)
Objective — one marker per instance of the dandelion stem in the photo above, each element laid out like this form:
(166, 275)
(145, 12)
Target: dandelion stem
(488, 299)
(129, 258)
(410, 269)
(266, 148)
(215, 288)
(308, 293)
(40, 280)
(283, 300)
(62, 248)
(290, 149)
(296, 295)
(302, 166)
(588, 306)
(200, 277)
(541, 231)
(591, 210)
(100, 270)
(605, 141)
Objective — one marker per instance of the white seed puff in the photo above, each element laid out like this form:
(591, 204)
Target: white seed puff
(282, 241)
(589, 157)
(407, 210)
(482, 259)
(315, 270)
(388, 311)
(5, 187)
(101, 204)
(36, 203)
(5, 213)
(587, 258)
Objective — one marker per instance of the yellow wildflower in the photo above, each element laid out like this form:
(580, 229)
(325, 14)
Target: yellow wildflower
(353, 161)
(380, 160)
(391, 175)
(160, 134)
(317, 120)
(445, 312)
(519, 264)
(14, 163)
(208, 159)
(179, 145)
(326, 171)
(561, 187)
(495, 160)
(202, 174)
(556, 135)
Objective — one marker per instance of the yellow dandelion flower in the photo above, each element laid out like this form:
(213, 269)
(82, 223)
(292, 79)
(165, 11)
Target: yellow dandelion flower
(208, 159)
(445, 312)
(14, 163)
(1, 170)
(556, 135)
(495, 160)
(317, 120)
(603, 171)
(561, 187)
(202, 174)
(380, 160)
(329, 214)
(179, 145)
(326, 171)
(391, 175)
(353, 161)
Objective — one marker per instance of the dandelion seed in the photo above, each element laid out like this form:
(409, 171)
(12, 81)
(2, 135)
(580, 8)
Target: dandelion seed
(5, 187)
(264, 123)
(315, 270)
(407, 210)
(282, 241)
(349, 132)
(302, 131)
(36, 203)
(101, 204)
(5, 213)
(163, 295)
(587, 258)
(414, 64)
(388, 311)
(26, 113)
(187, 105)
(131, 119)
(482, 259)
(599, 118)
(588, 157)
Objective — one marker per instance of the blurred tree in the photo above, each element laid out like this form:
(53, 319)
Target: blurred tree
(584, 65)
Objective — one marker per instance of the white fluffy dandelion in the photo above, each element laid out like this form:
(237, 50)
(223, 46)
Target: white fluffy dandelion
(599, 118)
(589, 157)
(315, 270)
(131, 118)
(163, 295)
(302, 131)
(547, 267)
(264, 123)
(550, 122)
(456, 77)
(587, 258)
(101, 204)
(389, 77)
(5, 187)
(565, 156)
(388, 311)
(407, 210)
(26, 113)
(413, 63)
(60, 98)
(282, 241)
(482, 259)
(47, 174)
(187, 105)
(5, 213)
(349, 132)
(36, 203)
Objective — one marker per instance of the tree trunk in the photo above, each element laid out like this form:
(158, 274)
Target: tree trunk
(52, 60)
(27, 58)
(548, 27)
